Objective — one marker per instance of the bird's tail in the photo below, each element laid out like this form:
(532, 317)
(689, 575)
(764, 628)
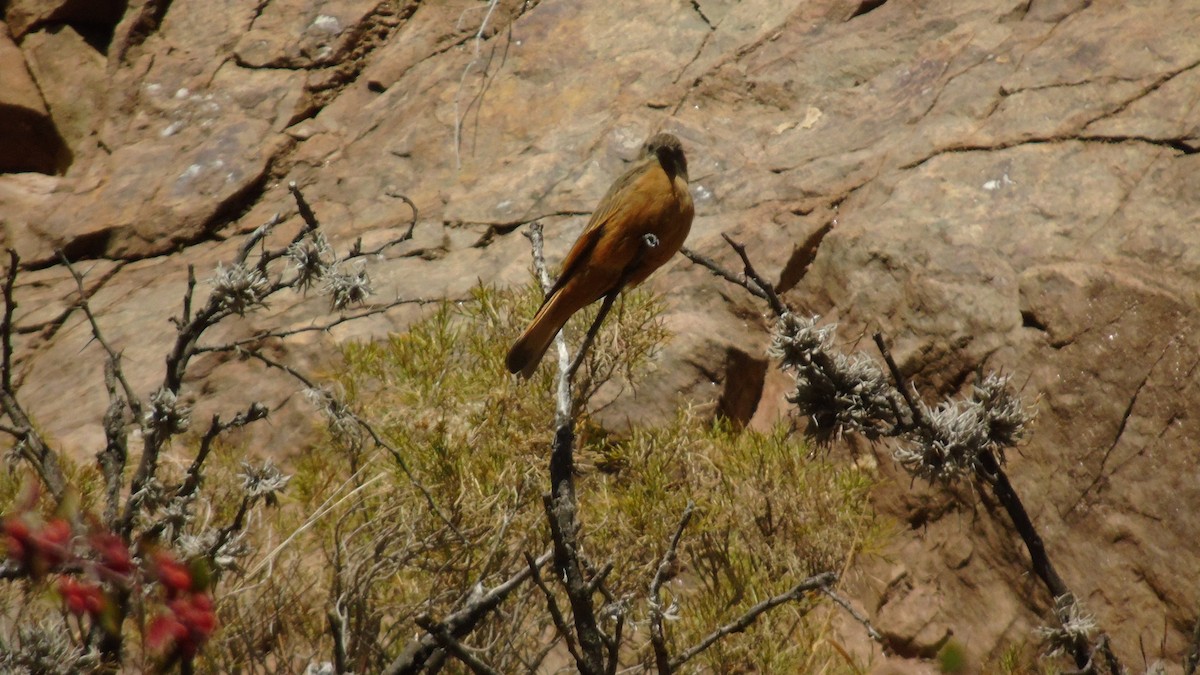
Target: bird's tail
(527, 351)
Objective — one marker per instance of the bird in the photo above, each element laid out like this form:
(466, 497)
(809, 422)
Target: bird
(640, 223)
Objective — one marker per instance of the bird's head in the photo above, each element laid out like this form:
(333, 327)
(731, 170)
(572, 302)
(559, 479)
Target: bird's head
(669, 151)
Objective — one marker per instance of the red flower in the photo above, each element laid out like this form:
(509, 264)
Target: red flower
(18, 540)
(81, 598)
(165, 630)
(186, 627)
(52, 541)
(175, 577)
(37, 549)
(113, 553)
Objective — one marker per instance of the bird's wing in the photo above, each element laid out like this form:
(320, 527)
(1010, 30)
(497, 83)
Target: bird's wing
(610, 205)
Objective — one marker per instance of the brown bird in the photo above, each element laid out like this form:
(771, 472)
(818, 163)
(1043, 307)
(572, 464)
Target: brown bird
(640, 223)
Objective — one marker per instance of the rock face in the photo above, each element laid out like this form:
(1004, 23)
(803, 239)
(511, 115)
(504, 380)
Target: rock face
(1010, 186)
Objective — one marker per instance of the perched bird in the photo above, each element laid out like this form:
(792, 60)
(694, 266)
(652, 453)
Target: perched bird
(640, 223)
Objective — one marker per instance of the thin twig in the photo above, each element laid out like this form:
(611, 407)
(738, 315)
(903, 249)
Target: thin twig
(918, 417)
(456, 649)
(337, 630)
(459, 624)
(858, 616)
(115, 454)
(718, 271)
(114, 357)
(375, 436)
(477, 45)
(777, 305)
(306, 212)
(216, 427)
(318, 328)
(661, 658)
(590, 337)
(259, 234)
(30, 443)
(746, 620)
(556, 614)
(6, 327)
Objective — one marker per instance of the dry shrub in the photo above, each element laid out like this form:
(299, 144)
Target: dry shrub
(375, 545)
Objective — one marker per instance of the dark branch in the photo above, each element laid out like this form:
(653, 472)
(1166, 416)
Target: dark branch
(455, 648)
(113, 457)
(718, 271)
(6, 327)
(662, 659)
(768, 290)
(319, 328)
(751, 280)
(114, 358)
(743, 622)
(918, 417)
(990, 472)
(216, 427)
(32, 447)
(375, 437)
(460, 623)
(858, 616)
(306, 212)
(556, 614)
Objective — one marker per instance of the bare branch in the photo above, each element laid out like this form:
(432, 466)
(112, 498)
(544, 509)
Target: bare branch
(743, 622)
(614, 646)
(412, 224)
(259, 234)
(188, 294)
(375, 437)
(216, 427)
(661, 658)
(357, 250)
(718, 271)
(318, 328)
(561, 507)
(455, 648)
(113, 457)
(33, 448)
(556, 614)
(6, 327)
(605, 307)
(460, 623)
(918, 418)
(114, 358)
(768, 290)
(306, 212)
(858, 616)
(337, 629)
(29, 443)
(750, 280)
